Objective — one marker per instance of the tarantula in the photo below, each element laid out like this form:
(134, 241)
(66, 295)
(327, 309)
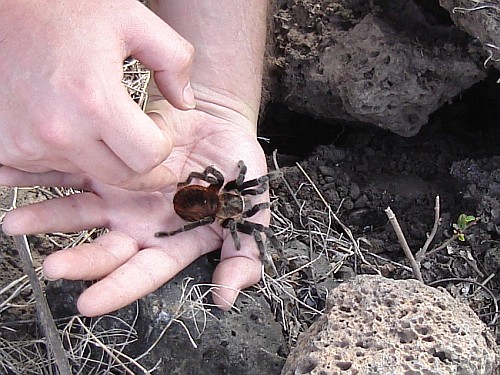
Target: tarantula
(227, 204)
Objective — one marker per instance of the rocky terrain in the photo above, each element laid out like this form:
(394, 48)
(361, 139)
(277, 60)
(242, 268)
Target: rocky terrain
(369, 104)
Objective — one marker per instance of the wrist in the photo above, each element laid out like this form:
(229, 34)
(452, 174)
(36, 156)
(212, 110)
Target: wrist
(223, 106)
(226, 106)
(229, 41)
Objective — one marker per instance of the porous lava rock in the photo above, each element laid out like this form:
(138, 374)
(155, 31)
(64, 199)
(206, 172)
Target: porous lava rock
(339, 61)
(375, 325)
(480, 20)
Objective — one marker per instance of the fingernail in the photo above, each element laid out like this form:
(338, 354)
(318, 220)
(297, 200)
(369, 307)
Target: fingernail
(188, 97)
(50, 278)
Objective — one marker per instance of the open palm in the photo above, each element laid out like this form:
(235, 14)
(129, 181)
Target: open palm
(129, 260)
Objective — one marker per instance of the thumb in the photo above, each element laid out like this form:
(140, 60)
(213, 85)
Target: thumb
(162, 50)
(233, 275)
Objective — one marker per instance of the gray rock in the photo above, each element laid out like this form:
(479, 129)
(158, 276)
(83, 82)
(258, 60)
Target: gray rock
(391, 69)
(375, 325)
(246, 340)
(480, 20)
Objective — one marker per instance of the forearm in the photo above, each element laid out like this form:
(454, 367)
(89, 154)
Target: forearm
(229, 41)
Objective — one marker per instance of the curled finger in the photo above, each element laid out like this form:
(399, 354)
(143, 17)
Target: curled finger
(104, 165)
(133, 137)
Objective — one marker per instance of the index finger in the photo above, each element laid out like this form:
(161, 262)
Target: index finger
(134, 137)
(101, 163)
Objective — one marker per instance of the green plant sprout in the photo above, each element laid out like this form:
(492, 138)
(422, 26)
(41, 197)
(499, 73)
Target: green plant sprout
(463, 222)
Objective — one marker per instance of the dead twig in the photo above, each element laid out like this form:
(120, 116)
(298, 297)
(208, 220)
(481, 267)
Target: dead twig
(449, 240)
(44, 314)
(402, 240)
(437, 218)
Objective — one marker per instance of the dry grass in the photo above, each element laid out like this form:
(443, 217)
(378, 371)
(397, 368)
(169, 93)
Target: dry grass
(299, 294)
(90, 345)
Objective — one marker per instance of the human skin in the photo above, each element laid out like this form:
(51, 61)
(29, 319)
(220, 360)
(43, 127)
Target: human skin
(62, 104)
(129, 261)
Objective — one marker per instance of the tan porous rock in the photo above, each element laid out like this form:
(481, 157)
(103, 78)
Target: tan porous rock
(375, 325)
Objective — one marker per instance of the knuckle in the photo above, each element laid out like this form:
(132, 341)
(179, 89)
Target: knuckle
(55, 134)
(92, 95)
(26, 149)
(154, 155)
(121, 180)
(60, 127)
(184, 56)
(145, 168)
(149, 161)
(87, 95)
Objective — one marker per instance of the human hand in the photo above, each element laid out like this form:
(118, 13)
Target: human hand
(62, 104)
(129, 260)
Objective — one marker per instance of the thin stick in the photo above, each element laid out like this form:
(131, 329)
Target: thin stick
(437, 216)
(45, 316)
(402, 240)
(113, 353)
(449, 240)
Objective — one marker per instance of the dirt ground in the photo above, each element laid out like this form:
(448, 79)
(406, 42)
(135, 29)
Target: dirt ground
(354, 173)
(361, 172)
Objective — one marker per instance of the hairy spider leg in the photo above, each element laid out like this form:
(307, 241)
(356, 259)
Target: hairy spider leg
(256, 182)
(264, 256)
(249, 227)
(273, 175)
(185, 228)
(256, 208)
(256, 191)
(210, 175)
(241, 175)
(234, 226)
(260, 244)
(231, 225)
(256, 231)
